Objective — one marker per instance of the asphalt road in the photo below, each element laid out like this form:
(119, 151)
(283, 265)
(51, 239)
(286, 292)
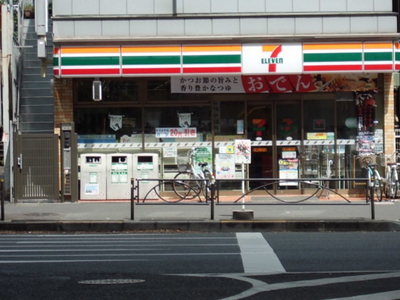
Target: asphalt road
(201, 266)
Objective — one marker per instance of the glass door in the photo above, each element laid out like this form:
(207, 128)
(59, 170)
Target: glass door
(319, 139)
(259, 129)
(288, 135)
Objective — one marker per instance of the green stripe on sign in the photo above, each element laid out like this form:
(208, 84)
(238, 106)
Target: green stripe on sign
(212, 59)
(55, 61)
(89, 61)
(151, 60)
(378, 56)
(332, 57)
(397, 56)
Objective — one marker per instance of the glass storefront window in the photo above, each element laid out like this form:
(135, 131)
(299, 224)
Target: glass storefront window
(157, 118)
(112, 125)
(112, 90)
(346, 116)
(288, 118)
(160, 90)
(230, 118)
(259, 121)
(318, 117)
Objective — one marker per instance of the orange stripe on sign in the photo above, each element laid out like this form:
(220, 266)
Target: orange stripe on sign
(56, 51)
(269, 48)
(332, 46)
(146, 49)
(208, 48)
(86, 50)
(388, 46)
(397, 45)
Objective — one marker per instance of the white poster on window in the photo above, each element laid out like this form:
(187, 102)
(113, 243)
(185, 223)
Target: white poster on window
(177, 132)
(242, 151)
(170, 151)
(288, 169)
(225, 166)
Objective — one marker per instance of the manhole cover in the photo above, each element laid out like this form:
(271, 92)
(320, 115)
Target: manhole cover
(111, 281)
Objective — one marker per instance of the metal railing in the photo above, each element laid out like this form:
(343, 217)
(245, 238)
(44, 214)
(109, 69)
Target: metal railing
(202, 200)
(323, 187)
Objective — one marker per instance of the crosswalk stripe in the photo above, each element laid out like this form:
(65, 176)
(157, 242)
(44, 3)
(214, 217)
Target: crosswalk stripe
(257, 254)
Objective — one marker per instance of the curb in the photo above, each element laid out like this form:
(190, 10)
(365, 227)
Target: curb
(205, 226)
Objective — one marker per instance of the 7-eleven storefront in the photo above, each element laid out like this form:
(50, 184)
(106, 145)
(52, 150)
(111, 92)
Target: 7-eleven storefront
(309, 109)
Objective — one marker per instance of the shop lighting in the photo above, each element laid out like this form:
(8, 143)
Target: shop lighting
(97, 90)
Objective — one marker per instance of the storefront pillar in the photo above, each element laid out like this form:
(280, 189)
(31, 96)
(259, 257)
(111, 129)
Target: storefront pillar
(63, 103)
(389, 117)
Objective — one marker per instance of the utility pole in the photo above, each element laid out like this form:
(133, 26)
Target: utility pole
(7, 44)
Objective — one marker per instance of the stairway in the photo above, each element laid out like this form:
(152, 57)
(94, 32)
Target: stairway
(36, 98)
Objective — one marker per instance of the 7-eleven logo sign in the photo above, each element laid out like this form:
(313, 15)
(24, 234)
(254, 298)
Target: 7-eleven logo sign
(272, 58)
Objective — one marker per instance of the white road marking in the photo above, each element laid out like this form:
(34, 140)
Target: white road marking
(120, 254)
(66, 261)
(257, 254)
(261, 286)
(378, 296)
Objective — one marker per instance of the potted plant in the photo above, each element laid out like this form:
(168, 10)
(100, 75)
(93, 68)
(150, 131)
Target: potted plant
(28, 11)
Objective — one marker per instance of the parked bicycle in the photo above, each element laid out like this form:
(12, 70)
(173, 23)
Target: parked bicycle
(375, 184)
(391, 181)
(193, 179)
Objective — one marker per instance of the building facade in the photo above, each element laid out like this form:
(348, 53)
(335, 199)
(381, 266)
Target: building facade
(308, 82)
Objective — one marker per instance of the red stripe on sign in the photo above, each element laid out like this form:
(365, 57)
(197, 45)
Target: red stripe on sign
(90, 72)
(397, 67)
(213, 70)
(378, 67)
(56, 72)
(334, 68)
(275, 53)
(151, 71)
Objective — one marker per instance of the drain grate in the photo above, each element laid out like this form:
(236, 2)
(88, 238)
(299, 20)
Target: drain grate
(111, 281)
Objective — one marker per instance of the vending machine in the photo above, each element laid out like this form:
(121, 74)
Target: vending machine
(93, 176)
(119, 174)
(146, 166)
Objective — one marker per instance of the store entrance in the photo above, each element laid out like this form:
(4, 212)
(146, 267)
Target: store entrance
(260, 128)
(261, 165)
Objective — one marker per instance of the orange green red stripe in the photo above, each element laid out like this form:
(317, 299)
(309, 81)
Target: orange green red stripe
(212, 48)
(332, 46)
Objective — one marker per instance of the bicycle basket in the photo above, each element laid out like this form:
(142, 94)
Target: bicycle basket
(366, 160)
(183, 163)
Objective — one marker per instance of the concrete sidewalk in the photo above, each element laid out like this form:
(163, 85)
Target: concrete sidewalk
(116, 216)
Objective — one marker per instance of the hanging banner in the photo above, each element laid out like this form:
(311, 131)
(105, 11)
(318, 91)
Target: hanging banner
(185, 119)
(243, 151)
(225, 166)
(115, 122)
(255, 84)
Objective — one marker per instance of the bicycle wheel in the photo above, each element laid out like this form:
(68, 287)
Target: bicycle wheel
(378, 190)
(185, 186)
(390, 189)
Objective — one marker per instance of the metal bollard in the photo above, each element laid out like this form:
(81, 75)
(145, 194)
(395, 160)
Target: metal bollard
(212, 189)
(2, 198)
(132, 199)
(372, 203)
